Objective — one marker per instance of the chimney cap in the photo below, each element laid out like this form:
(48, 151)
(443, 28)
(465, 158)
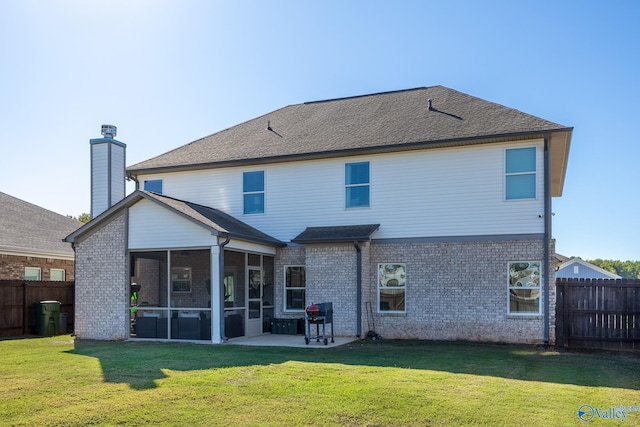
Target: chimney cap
(109, 131)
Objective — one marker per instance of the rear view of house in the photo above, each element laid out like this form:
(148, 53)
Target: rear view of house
(426, 210)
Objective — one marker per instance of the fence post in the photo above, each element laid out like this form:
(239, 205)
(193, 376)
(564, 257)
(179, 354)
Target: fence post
(24, 308)
(565, 313)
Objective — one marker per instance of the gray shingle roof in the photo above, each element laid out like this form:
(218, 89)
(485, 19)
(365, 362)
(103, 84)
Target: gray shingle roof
(218, 220)
(343, 233)
(215, 220)
(384, 121)
(27, 228)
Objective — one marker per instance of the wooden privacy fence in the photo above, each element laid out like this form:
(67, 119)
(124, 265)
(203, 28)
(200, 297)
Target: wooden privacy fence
(598, 313)
(17, 315)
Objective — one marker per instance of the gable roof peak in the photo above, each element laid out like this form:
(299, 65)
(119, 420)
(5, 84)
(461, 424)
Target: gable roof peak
(368, 95)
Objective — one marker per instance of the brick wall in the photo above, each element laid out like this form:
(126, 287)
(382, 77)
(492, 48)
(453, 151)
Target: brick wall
(331, 277)
(458, 291)
(102, 284)
(12, 267)
(454, 291)
(290, 255)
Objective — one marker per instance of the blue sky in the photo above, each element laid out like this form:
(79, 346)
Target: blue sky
(169, 72)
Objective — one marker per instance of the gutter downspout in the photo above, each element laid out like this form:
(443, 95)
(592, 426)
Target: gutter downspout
(547, 233)
(358, 289)
(223, 336)
(134, 178)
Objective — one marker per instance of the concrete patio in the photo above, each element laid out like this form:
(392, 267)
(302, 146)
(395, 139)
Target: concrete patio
(278, 340)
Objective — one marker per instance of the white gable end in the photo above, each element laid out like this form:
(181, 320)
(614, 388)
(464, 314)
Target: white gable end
(152, 226)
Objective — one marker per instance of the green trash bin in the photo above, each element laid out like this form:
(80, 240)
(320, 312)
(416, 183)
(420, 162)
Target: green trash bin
(47, 318)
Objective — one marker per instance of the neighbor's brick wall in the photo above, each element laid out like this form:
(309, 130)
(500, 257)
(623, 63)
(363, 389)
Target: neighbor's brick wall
(458, 291)
(102, 284)
(12, 267)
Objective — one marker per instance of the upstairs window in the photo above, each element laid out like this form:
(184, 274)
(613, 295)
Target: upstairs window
(154, 185)
(357, 185)
(520, 171)
(253, 192)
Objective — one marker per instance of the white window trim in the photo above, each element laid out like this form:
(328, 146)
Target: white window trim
(33, 268)
(368, 184)
(380, 287)
(534, 173)
(284, 300)
(64, 274)
(539, 287)
(263, 192)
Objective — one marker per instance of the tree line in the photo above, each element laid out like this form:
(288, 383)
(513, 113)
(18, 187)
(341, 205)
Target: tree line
(625, 269)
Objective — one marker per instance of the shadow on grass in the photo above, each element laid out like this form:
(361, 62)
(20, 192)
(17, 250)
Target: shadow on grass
(141, 364)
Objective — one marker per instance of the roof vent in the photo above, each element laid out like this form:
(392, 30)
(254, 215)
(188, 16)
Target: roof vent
(430, 106)
(109, 131)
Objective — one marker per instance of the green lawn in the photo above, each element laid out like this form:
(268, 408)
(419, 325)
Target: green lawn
(54, 381)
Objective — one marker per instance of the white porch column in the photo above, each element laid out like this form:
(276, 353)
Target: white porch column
(216, 302)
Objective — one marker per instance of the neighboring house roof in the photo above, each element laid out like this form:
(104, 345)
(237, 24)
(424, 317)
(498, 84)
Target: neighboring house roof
(346, 233)
(577, 268)
(218, 222)
(29, 230)
(427, 117)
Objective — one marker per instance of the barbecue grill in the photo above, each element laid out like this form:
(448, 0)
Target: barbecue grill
(318, 314)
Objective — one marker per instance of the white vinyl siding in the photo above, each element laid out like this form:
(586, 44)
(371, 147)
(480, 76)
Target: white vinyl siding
(153, 226)
(118, 178)
(427, 193)
(107, 176)
(99, 178)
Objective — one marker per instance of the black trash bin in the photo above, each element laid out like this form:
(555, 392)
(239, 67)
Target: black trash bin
(47, 318)
(63, 323)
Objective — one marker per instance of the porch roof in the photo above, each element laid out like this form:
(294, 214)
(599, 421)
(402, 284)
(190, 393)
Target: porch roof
(214, 220)
(342, 233)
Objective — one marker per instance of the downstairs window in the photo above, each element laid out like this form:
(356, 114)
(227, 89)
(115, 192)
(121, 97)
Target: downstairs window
(391, 287)
(294, 288)
(524, 287)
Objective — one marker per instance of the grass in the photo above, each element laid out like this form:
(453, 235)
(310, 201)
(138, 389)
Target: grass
(56, 381)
